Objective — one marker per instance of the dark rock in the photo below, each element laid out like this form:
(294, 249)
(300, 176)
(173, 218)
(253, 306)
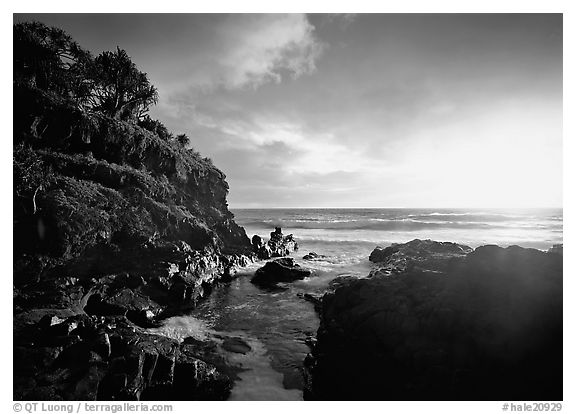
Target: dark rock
(488, 326)
(339, 282)
(236, 345)
(313, 256)
(257, 242)
(74, 358)
(279, 270)
(278, 245)
(264, 252)
(310, 342)
(63, 328)
(195, 379)
(96, 305)
(316, 300)
(276, 234)
(49, 320)
(423, 255)
(209, 352)
(102, 344)
(129, 281)
(87, 387)
(116, 360)
(557, 249)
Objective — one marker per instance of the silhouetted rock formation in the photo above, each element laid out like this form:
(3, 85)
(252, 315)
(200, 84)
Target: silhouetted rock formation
(486, 325)
(279, 270)
(278, 245)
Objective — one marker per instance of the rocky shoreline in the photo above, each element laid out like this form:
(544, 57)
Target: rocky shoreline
(118, 223)
(85, 337)
(432, 321)
(441, 321)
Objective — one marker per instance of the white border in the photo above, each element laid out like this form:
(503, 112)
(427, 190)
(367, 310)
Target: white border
(245, 6)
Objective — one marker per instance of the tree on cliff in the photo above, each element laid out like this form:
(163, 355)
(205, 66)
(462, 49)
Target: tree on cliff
(31, 176)
(118, 88)
(155, 126)
(49, 59)
(183, 140)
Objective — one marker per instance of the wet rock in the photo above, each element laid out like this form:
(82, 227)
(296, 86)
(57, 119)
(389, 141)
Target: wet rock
(209, 352)
(340, 281)
(130, 281)
(195, 379)
(279, 270)
(316, 300)
(145, 318)
(310, 341)
(278, 245)
(110, 358)
(422, 255)
(488, 326)
(281, 245)
(257, 242)
(74, 356)
(313, 256)
(48, 321)
(87, 387)
(63, 328)
(102, 344)
(97, 305)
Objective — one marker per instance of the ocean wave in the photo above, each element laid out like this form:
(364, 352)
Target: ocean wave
(334, 241)
(474, 217)
(369, 244)
(376, 224)
(471, 213)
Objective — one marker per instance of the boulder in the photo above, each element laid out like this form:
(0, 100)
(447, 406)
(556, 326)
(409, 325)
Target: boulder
(279, 270)
(313, 256)
(257, 242)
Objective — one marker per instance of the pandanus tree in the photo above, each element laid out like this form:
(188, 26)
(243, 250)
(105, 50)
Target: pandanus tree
(49, 59)
(183, 140)
(118, 88)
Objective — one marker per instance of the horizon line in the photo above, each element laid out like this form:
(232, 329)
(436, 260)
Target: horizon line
(403, 208)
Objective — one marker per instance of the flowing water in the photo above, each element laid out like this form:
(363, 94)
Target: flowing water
(275, 324)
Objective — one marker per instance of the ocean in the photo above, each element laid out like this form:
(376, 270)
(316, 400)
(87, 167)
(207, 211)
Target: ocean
(277, 324)
(536, 228)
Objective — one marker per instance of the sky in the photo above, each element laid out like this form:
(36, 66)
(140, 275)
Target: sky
(365, 110)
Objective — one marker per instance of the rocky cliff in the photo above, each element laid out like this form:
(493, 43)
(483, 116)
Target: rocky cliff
(116, 225)
(437, 321)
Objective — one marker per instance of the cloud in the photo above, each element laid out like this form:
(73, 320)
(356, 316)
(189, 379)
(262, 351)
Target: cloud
(294, 149)
(384, 122)
(251, 50)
